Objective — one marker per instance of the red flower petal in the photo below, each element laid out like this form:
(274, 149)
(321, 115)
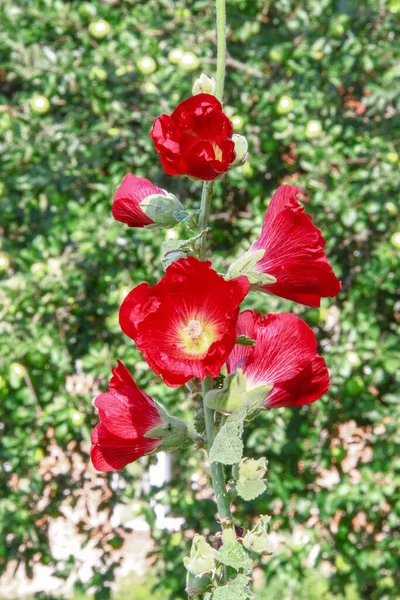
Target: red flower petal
(285, 355)
(196, 140)
(126, 415)
(185, 324)
(110, 453)
(125, 410)
(294, 252)
(126, 205)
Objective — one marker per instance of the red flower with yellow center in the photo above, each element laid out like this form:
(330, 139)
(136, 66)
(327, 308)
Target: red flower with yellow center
(196, 139)
(185, 324)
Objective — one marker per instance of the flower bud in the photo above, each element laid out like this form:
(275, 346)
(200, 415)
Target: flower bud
(164, 210)
(204, 85)
(197, 586)
(257, 540)
(241, 150)
(203, 557)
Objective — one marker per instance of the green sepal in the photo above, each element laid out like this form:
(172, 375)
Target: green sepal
(172, 432)
(243, 340)
(197, 586)
(172, 250)
(164, 209)
(233, 395)
(257, 540)
(203, 558)
(245, 265)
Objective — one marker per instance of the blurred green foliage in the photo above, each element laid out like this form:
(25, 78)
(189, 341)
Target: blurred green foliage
(314, 85)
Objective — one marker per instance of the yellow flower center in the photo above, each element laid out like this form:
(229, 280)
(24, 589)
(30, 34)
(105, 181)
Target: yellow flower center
(196, 337)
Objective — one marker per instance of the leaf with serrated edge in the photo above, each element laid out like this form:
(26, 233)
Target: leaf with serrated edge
(236, 589)
(228, 446)
(248, 490)
(234, 555)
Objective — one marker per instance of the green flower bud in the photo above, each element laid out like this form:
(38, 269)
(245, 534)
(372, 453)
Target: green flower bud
(241, 150)
(203, 558)
(204, 85)
(257, 540)
(197, 586)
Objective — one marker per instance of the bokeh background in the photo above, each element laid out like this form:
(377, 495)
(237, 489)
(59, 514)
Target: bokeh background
(314, 86)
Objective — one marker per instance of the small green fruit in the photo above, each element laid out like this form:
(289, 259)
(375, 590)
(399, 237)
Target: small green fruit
(395, 239)
(392, 157)
(285, 105)
(189, 61)
(313, 129)
(99, 29)
(40, 104)
(237, 122)
(146, 65)
(4, 261)
(175, 55)
(17, 369)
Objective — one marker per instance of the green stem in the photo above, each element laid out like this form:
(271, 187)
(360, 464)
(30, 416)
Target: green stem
(206, 197)
(216, 469)
(221, 47)
(217, 472)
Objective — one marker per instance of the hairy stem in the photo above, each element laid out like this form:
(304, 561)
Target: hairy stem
(221, 47)
(217, 472)
(217, 469)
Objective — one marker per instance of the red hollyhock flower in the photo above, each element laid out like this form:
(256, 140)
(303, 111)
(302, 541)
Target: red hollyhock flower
(285, 356)
(196, 140)
(126, 414)
(185, 324)
(294, 252)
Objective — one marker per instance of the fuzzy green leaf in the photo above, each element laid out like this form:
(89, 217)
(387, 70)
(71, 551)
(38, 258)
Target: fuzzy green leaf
(248, 490)
(228, 445)
(236, 589)
(234, 555)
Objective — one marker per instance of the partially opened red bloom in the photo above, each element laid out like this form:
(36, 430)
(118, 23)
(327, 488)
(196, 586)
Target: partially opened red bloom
(185, 324)
(126, 415)
(196, 140)
(294, 252)
(285, 356)
(126, 206)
